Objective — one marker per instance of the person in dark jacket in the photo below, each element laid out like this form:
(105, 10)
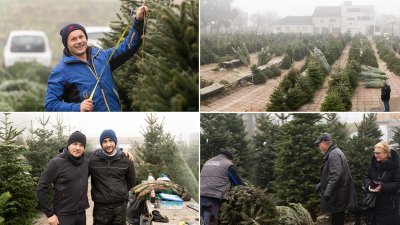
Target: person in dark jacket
(216, 178)
(82, 68)
(112, 176)
(385, 95)
(67, 174)
(383, 178)
(336, 186)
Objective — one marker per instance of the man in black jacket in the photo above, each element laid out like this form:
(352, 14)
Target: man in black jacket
(336, 185)
(385, 95)
(112, 176)
(67, 174)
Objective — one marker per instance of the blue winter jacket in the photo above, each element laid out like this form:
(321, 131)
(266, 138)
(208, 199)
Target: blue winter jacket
(72, 80)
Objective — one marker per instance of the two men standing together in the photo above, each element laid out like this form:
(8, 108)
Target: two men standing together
(112, 176)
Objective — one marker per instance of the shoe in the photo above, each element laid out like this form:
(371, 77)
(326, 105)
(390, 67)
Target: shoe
(157, 217)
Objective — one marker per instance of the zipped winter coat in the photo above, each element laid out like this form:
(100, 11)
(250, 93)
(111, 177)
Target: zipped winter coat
(69, 178)
(386, 209)
(111, 178)
(72, 80)
(336, 184)
(385, 93)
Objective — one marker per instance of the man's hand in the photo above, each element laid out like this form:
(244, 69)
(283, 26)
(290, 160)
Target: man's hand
(53, 220)
(141, 12)
(87, 105)
(128, 154)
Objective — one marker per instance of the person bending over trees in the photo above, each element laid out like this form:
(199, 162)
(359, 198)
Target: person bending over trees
(216, 178)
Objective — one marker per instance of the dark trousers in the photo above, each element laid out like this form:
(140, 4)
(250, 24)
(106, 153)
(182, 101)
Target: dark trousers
(109, 214)
(74, 219)
(387, 106)
(337, 218)
(209, 210)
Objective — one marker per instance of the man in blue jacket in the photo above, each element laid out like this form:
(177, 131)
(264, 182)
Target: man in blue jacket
(74, 78)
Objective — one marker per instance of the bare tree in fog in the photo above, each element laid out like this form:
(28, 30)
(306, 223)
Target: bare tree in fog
(216, 14)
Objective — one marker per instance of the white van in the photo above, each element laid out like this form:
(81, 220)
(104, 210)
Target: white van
(27, 46)
(95, 33)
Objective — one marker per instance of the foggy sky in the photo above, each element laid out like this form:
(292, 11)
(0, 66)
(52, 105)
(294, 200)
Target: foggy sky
(124, 124)
(306, 7)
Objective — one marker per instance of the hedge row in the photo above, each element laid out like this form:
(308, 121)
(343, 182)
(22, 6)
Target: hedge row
(297, 89)
(214, 47)
(341, 88)
(387, 55)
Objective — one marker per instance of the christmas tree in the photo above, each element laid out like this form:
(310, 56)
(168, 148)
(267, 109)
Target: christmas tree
(15, 178)
(160, 154)
(163, 75)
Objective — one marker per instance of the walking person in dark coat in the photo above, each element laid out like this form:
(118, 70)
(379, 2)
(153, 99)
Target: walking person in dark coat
(112, 176)
(67, 174)
(383, 178)
(385, 95)
(336, 185)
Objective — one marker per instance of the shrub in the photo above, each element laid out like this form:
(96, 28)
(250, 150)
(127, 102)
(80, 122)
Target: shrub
(224, 82)
(258, 76)
(272, 72)
(263, 57)
(286, 62)
(248, 205)
(205, 83)
(294, 214)
(333, 103)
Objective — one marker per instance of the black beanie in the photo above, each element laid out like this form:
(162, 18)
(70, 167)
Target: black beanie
(108, 134)
(227, 153)
(68, 29)
(77, 136)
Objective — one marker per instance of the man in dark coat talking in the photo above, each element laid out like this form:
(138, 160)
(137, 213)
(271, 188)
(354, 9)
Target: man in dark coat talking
(336, 186)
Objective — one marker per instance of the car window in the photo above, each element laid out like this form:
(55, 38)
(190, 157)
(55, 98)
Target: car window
(27, 44)
(96, 35)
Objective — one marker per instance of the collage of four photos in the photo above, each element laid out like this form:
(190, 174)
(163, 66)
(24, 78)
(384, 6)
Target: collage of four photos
(208, 112)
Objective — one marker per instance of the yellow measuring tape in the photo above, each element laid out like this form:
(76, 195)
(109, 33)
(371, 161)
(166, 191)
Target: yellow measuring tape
(108, 61)
(115, 48)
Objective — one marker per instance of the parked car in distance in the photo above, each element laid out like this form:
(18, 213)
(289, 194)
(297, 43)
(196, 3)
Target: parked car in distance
(95, 33)
(27, 46)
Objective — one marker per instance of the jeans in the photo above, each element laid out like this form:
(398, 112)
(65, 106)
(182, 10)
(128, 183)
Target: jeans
(386, 104)
(209, 210)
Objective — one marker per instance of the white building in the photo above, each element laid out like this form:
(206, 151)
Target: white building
(346, 18)
(327, 19)
(293, 25)
(358, 18)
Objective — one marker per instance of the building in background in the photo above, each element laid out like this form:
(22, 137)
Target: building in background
(294, 24)
(358, 19)
(347, 18)
(327, 19)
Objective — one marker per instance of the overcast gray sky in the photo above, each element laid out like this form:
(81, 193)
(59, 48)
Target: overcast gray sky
(124, 124)
(306, 7)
